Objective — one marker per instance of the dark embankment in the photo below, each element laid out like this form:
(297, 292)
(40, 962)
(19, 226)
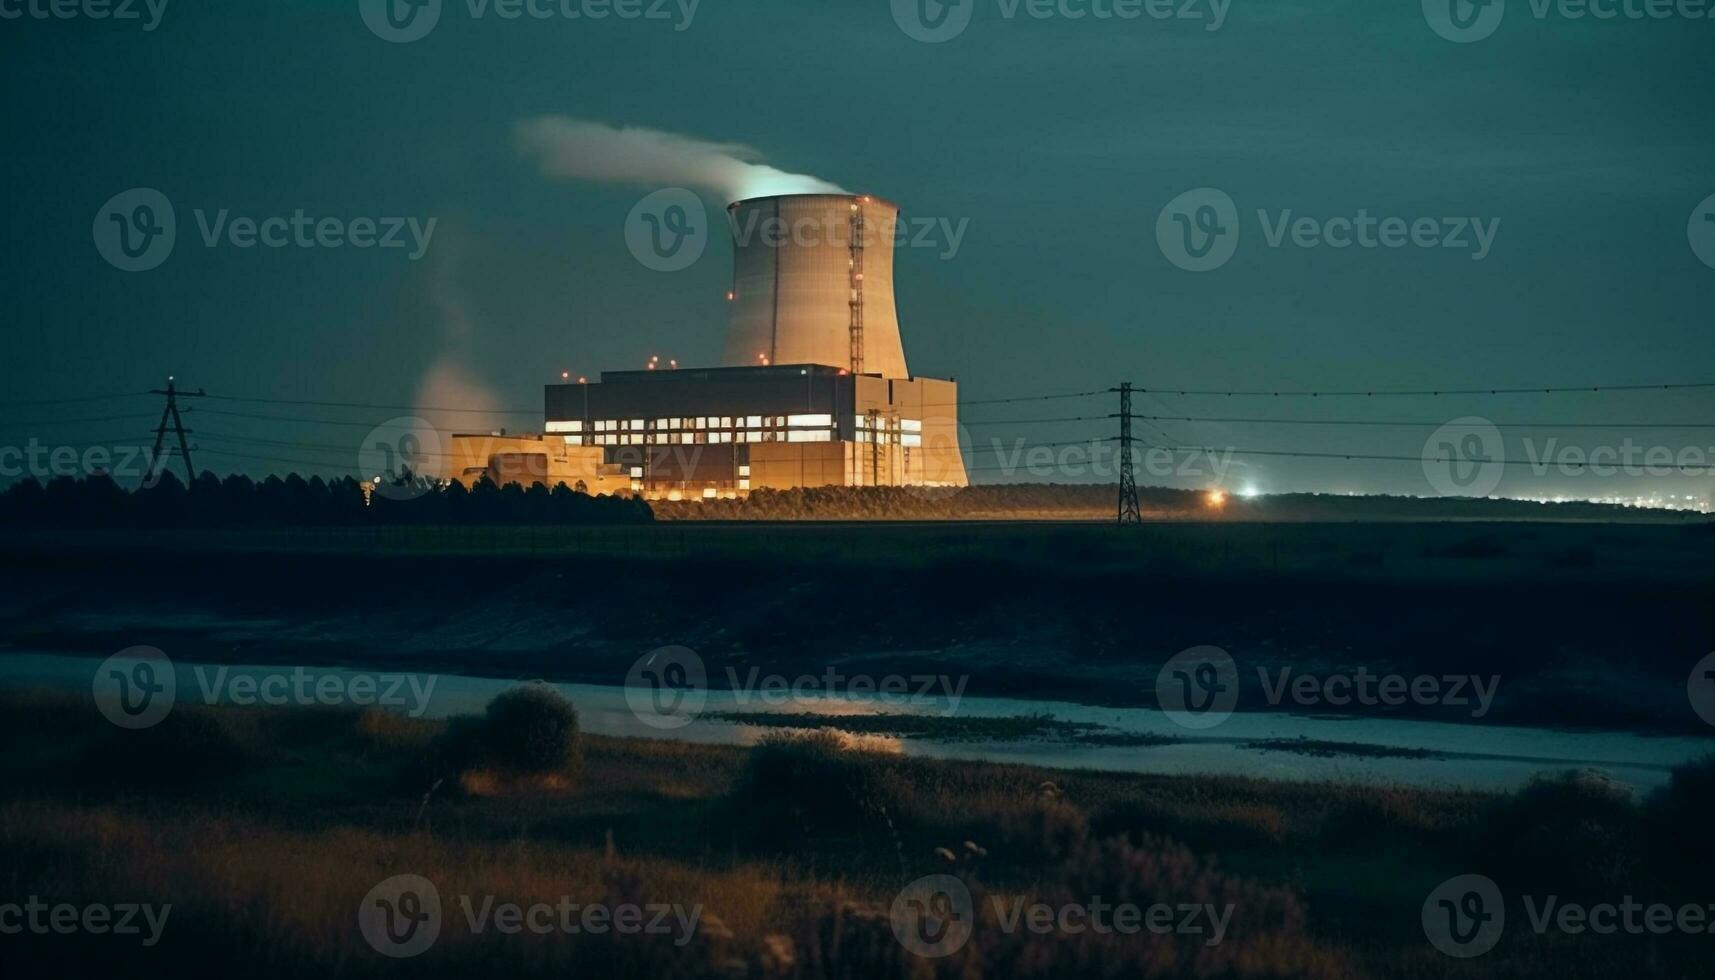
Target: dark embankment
(1583, 624)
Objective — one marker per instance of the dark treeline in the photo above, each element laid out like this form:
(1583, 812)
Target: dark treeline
(211, 501)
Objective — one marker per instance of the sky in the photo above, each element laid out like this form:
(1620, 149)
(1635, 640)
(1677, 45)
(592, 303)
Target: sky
(1564, 168)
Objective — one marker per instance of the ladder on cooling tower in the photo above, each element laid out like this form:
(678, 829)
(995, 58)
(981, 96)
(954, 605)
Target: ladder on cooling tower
(856, 266)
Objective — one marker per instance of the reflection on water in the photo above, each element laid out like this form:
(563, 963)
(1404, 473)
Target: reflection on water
(1473, 756)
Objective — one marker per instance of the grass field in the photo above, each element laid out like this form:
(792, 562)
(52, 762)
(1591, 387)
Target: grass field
(265, 828)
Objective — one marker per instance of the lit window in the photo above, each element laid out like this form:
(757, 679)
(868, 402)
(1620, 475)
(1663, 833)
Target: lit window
(911, 425)
(637, 472)
(911, 439)
(808, 435)
(744, 470)
(637, 425)
(744, 484)
(861, 421)
(822, 421)
(753, 422)
(574, 426)
(660, 423)
(574, 440)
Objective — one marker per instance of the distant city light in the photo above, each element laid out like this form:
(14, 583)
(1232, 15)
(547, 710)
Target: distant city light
(1217, 498)
(1250, 491)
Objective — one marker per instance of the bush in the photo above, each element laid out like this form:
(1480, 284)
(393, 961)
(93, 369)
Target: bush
(187, 749)
(531, 729)
(1575, 832)
(798, 785)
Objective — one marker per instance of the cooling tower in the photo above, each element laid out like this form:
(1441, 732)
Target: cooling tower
(813, 283)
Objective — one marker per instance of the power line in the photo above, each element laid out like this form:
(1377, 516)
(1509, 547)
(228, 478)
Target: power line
(24, 403)
(1420, 458)
(88, 418)
(1432, 392)
(1430, 424)
(371, 405)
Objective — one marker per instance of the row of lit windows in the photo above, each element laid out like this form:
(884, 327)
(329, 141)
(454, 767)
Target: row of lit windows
(700, 438)
(695, 423)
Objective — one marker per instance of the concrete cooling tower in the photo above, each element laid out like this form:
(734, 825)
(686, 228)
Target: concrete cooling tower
(813, 283)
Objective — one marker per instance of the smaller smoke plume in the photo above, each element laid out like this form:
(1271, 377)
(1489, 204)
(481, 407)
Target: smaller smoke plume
(578, 149)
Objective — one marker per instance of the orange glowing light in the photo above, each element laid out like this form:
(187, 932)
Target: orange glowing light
(1217, 498)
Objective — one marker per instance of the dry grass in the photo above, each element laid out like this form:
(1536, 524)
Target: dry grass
(265, 861)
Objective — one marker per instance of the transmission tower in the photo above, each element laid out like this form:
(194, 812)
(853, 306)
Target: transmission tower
(1128, 510)
(171, 411)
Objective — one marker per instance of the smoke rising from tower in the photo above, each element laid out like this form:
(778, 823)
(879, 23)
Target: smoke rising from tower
(579, 149)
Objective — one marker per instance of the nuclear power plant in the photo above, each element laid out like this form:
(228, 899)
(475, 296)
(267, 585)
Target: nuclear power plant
(813, 388)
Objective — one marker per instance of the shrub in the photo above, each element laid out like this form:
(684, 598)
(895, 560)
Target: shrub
(188, 748)
(531, 729)
(797, 785)
(1574, 831)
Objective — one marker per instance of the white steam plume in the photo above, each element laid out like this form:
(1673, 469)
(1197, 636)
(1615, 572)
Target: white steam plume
(578, 149)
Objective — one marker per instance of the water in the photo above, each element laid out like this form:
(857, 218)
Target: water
(1469, 756)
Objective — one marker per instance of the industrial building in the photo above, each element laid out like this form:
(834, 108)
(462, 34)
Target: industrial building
(813, 390)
